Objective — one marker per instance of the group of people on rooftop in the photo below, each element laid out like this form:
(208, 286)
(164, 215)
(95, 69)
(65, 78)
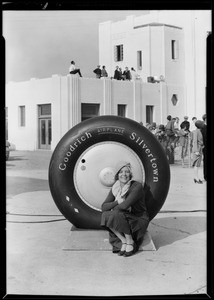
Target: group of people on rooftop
(126, 74)
(102, 72)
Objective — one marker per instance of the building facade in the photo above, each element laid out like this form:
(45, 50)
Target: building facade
(170, 44)
(40, 111)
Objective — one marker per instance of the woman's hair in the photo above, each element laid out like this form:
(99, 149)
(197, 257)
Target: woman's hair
(72, 62)
(169, 117)
(129, 167)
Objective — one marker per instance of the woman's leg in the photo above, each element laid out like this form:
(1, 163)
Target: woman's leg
(129, 243)
(119, 235)
(122, 238)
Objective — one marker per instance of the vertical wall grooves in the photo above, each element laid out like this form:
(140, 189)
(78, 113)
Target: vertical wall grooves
(107, 96)
(73, 101)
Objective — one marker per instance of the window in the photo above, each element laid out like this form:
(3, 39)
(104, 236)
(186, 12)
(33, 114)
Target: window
(139, 60)
(174, 99)
(175, 49)
(118, 53)
(149, 114)
(22, 116)
(121, 110)
(89, 110)
(45, 109)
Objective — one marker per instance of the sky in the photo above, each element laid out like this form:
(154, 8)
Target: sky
(39, 44)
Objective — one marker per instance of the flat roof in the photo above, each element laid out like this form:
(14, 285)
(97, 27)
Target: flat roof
(156, 24)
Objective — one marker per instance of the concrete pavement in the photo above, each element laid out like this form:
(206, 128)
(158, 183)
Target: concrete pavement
(37, 233)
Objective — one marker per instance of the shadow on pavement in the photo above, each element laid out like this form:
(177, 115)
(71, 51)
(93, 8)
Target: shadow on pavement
(10, 165)
(18, 185)
(14, 158)
(165, 231)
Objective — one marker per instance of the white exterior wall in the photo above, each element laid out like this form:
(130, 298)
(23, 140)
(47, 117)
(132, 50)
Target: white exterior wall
(29, 94)
(196, 24)
(174, 68)
(155, 42)
(65, 94)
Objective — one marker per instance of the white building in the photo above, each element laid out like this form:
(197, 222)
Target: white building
(41, 111)
(167, 43)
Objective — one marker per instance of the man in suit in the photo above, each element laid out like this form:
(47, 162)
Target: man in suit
(117, 73)
(97, 71)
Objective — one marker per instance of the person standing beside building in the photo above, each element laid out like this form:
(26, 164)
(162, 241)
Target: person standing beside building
(153, 128)
(183, 141)
(73, 69)
(176, 127)
(104, 72)
(192, 126)
(97, 71)
(161, 136)
(204, 134)
(170, 132)
(176, 124)
(204, 118)
(194, 119)
(203, 127)
(186, 123)
(197, 146)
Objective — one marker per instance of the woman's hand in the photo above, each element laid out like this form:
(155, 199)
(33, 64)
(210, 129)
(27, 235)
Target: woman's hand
(120, 199)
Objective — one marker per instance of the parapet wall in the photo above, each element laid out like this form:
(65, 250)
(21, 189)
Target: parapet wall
(67, 93)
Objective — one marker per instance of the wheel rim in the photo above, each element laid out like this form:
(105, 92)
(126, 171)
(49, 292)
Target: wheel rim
(94, 171)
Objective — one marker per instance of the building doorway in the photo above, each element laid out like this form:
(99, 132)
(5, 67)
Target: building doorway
(149, 114)
(45, 136)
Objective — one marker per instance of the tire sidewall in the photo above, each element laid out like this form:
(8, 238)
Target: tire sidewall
(94, 131)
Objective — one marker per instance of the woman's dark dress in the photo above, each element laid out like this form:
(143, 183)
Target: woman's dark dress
(120, 218)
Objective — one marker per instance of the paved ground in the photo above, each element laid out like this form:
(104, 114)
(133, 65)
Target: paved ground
(37, 232)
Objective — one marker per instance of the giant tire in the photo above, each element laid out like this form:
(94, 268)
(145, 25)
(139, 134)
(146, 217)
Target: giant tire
(82, 167)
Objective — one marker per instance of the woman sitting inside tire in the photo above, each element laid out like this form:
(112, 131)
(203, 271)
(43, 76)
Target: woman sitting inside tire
(124, 212)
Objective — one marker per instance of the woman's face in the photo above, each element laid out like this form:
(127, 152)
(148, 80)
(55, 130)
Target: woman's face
(124, 175)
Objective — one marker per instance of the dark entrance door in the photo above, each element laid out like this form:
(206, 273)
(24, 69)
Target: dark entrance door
(45, 126)
(149, 114)
(45, 134)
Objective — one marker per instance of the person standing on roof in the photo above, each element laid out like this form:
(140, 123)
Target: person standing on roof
(97, 71)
